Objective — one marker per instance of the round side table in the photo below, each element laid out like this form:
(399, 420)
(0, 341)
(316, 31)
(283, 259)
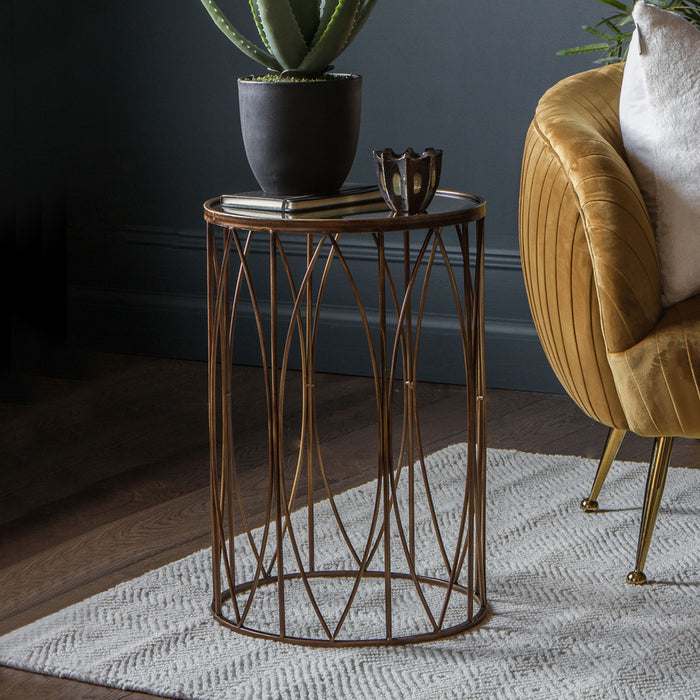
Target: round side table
(272, 581)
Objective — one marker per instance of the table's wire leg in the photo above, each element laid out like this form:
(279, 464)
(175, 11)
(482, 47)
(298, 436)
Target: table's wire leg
(212, 274)
(244, 274)
(308, 408)
(468, 330)
(275, 436)
(384, 420)
(434, 236)
(227, 465)
(465, 532)
(481, 411)
(334, 253)
(286, 498)
(220, 467)
(410, 407)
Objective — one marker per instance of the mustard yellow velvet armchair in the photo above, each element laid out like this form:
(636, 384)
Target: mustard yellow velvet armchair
(591, 271)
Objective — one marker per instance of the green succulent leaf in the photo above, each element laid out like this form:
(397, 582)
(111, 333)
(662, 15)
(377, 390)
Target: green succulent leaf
(238, 39)
(611, 26)
(333, 39)
(366, 7)
(582, 49)
(282, 32)
(327, 9)
(258, 24)
(596, 32)
(307, 13)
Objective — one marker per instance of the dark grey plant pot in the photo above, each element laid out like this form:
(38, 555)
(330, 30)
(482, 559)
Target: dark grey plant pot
(300, 137)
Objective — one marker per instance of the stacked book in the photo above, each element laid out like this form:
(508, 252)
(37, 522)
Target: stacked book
(349, 200)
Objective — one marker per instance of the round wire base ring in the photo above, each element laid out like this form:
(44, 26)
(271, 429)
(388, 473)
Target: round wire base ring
(478, 615)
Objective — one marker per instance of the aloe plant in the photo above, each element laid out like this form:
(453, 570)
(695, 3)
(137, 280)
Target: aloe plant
(615, 31)
(300, 37)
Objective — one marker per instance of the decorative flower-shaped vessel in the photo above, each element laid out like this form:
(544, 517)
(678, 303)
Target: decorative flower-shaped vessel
(408, 181)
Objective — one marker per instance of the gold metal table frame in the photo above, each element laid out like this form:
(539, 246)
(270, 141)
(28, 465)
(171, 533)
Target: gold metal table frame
(281, 553)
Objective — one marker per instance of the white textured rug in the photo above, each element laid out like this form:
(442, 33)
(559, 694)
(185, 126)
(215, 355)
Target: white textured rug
(564, 622)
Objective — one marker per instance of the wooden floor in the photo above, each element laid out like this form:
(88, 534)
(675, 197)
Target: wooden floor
(106, 478)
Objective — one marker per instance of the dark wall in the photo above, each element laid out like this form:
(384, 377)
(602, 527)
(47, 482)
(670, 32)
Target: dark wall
(127, 122)
(34, 194)
(7, 199)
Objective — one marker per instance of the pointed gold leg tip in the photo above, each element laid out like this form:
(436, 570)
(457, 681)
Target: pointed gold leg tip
(636, 577)
(589, 506)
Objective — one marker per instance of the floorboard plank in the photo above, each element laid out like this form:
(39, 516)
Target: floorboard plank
(21, 685)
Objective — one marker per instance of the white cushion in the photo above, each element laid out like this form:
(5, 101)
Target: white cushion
(660, 122)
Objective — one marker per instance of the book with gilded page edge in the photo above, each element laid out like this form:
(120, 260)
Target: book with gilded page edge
(337, 212)
(259, 200)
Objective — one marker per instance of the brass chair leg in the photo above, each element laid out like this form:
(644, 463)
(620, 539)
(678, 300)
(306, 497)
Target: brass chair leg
(612, 445)
(656, 480)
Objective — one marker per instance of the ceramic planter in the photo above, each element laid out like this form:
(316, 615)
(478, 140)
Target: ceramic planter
(300, 137)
